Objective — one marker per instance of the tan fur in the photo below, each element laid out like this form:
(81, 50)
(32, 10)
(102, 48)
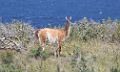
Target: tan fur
(54, 35)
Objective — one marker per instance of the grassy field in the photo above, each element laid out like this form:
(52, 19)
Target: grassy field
(91, 47)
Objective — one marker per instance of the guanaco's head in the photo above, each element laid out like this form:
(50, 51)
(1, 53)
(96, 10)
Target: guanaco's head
(68, 18)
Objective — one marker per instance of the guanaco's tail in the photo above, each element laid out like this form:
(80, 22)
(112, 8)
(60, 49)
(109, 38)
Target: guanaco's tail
(36, 35)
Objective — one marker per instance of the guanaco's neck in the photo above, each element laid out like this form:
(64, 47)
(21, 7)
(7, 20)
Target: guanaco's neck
(67, 28)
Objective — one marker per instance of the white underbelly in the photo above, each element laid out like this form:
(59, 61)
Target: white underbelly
(52, 39)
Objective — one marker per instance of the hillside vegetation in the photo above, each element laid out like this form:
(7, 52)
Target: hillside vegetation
(92, 47)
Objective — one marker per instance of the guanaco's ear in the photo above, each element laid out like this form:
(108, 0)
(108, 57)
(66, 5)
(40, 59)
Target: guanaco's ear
(68, 18)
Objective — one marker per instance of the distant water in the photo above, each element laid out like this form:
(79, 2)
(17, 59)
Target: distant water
(43, 12)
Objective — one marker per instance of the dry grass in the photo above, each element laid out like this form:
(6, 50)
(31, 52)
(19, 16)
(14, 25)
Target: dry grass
(90, 48)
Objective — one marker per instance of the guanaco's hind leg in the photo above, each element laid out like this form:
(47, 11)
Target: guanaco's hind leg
(43, 46)
(42, 43)
(58, 51)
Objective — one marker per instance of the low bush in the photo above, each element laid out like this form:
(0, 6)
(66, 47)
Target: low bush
(7, 57)
(39, 53)
(9, 68)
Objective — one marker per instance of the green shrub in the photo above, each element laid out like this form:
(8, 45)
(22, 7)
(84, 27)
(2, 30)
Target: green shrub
(116, 34)
(39, 53)
(16, 35)
(7, 57)
(84, 31)
(9, 68)
(115, 70)
(79, 61)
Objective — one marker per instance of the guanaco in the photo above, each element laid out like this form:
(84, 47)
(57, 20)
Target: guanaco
(54, 35)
